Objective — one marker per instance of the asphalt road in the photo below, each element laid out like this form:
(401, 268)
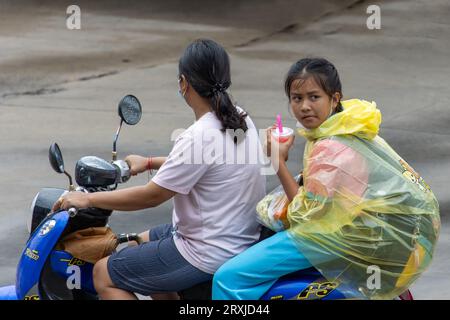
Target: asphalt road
(64, 85)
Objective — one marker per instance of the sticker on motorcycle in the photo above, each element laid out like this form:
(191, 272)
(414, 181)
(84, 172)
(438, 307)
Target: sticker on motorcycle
(47, 227)
(317, 290)
(74, 262)
(414, 177)
(32, 254)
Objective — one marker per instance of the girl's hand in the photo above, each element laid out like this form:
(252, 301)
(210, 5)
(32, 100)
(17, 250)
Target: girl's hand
(136, 163)
(79, 200)
(283, 148)
(269, 138)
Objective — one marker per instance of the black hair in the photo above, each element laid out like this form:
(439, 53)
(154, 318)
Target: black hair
(322, 71)
(206, 66)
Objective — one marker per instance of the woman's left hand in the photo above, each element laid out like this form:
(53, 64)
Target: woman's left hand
(76, 199)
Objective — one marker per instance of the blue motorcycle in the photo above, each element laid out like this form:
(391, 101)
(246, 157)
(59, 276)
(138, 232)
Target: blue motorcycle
(44, 272)
(47, 272)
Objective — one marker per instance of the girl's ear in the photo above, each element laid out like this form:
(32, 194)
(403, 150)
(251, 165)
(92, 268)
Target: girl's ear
(335, 99)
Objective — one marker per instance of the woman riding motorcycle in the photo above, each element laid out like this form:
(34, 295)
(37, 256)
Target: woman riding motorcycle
(214, 200)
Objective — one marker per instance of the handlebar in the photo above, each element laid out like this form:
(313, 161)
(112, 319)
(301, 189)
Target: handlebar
(72, 212)
(123, 175)
(124, 171)
(127, 237)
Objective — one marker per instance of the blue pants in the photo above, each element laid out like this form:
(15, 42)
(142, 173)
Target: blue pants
(250, 274)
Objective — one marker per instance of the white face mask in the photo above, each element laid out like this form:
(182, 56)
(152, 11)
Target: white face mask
(299, 125)
(331, 110)
(181, 95)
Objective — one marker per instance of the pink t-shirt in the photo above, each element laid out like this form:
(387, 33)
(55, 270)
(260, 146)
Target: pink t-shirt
(218, 187)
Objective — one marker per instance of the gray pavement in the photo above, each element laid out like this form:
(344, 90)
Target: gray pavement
(64, 86)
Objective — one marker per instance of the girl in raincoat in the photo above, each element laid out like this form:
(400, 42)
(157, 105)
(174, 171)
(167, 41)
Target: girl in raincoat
(360, 210)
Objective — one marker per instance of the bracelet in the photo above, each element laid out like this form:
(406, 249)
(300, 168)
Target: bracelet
(149, 164)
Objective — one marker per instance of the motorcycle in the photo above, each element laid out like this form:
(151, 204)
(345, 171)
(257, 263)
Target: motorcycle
(43, 271)
(47, 272)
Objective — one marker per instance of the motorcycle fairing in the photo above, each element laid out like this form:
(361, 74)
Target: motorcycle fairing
(37, 250)
(308, 284)
(62, 260)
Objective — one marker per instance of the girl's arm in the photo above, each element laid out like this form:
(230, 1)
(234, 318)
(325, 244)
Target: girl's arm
(289, 184)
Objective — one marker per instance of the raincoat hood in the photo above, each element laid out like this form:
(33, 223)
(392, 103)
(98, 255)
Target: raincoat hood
(359, 118)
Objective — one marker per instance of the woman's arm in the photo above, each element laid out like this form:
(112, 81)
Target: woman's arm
(130, 199)
(157, 162)
(139, 164)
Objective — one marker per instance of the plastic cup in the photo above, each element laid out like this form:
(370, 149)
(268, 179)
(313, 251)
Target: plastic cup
(284, 135)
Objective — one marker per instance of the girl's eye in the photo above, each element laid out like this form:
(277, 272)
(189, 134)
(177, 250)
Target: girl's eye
(313, 98)
(296, 98)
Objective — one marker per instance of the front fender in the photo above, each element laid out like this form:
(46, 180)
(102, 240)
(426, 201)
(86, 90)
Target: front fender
(37, 250)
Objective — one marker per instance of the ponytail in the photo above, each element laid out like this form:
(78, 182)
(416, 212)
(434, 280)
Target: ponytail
(227, 113)
(206, 66)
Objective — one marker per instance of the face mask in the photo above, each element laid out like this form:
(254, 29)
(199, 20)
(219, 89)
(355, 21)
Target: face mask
(331, 110)
(179, 90)
(180, 94)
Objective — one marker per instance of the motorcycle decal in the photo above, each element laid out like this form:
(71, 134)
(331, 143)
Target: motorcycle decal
(63, 262)
(278, 297)
(32, 254)
(47, 227)
(317, 290)
(414, 177)
(33, 297)
(74, 262)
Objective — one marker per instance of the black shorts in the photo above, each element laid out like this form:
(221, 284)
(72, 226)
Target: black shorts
(154, 267)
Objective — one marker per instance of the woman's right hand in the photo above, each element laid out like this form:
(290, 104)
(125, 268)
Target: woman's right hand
(137, 164)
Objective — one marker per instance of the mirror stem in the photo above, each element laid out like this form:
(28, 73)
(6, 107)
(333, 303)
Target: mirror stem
(71, 186)
(114, 152)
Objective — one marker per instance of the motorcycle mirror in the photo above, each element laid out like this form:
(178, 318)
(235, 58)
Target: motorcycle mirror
(55, 158)
(57, 162)
(130, 109)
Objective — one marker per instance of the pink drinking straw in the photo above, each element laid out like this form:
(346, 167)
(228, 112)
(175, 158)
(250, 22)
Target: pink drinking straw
(280, 126)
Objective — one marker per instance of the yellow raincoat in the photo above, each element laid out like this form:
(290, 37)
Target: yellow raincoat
(364, 205)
